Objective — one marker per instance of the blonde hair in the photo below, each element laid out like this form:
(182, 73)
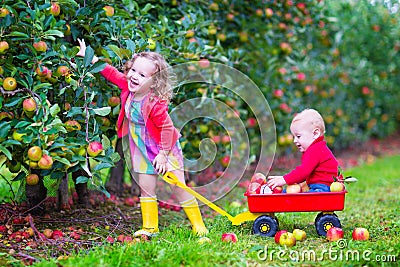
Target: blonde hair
(312, 117)
(163, 78)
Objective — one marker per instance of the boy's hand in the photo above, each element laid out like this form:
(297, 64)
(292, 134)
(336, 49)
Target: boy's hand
(274, 181)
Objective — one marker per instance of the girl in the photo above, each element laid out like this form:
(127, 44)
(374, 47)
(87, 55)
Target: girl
(153, 139)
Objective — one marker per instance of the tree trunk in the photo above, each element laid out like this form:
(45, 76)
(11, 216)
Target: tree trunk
(35, 195)
(115, 184)
(81, 189)
(63, 193)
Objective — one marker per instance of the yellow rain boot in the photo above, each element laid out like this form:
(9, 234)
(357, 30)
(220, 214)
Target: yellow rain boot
(192, 211)
(149, 208)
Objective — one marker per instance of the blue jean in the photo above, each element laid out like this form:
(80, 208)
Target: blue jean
(319, 188)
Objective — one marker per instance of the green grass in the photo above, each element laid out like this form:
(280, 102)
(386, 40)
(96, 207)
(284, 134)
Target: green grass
(373, 202)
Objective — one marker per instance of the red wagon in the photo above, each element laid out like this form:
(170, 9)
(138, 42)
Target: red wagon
(262, 208)
(326, 203)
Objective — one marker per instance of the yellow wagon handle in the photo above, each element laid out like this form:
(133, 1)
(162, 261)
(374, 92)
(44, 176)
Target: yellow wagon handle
(171, 178)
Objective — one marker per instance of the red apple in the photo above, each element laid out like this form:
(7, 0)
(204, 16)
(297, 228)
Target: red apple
(55, 9)
(57, 234)
(75, 235)
(269, 12)
(114, 101)
(360, 234)
(277, 190)
(287, 239)
(4, 46)
(337, 187)
(258, 178)
(293, 188)
(251, 122)
(46, 162)
(29, 105)
(110, 239)
(225, 161)
(253, 188)
(109, 10)
(3, 229)
(278, 93)
(229, 237)
(120, 238)
(130, 201)
(334, 234)
(204, 63)
(35, 153)
(40, 46)
(94, 148)
(48, 233)
(278, 235)
(300, 235)
(32, 179)
(62, 71)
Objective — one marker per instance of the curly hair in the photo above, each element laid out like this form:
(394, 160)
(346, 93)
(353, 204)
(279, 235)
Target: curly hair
(163, 77)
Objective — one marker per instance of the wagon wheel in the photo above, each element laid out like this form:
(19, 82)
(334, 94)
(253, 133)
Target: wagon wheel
(325, 221)
(265, 225)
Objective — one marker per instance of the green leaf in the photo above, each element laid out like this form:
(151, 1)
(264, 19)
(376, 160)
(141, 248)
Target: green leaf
(82, 180)
(85, 167)
(102, 166)
(104, 111)
(19, 177)
(62, 160)
(6, 152)
(13, 103)
(18, 34)
(88, 56)
(54, 33)
(97, 67)
(54, 110)
(5, 128)
(146, 8)
(75, 111)
(22, 124)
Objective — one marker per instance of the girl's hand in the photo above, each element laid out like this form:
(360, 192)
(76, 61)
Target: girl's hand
(82, 48)
(160, 163)
(274, 181)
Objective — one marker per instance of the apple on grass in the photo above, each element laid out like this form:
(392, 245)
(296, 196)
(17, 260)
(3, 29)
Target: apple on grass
(360, 234)
(285, 238)
(299, 234)
(278, 235)
(229, 237)
(334, 234)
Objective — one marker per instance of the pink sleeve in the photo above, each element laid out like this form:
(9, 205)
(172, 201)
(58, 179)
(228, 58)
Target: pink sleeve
(309, 162)
(115, 76)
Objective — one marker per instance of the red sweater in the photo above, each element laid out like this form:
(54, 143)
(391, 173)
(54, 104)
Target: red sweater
(154, 111)
(318, 165)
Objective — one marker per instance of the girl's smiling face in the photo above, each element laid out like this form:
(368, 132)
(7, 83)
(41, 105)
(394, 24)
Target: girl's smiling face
(139, 77)
(304, 134)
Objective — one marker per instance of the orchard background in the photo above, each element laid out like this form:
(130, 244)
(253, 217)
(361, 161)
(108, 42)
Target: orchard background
(339, 57)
